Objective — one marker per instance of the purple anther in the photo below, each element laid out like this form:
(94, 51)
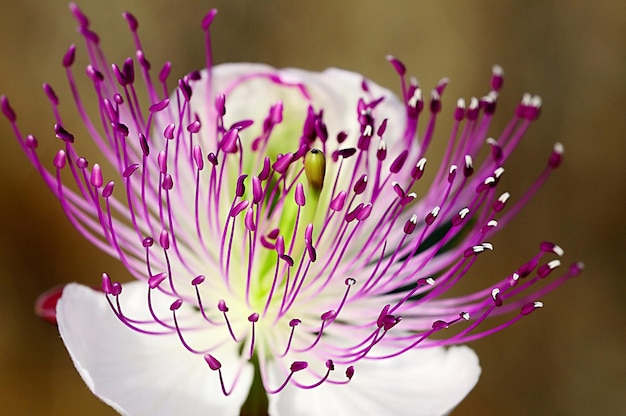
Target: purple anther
(194, 127)
(161, 105)
(328, 315)
(341, 137)
(212, 158)
(249, 220)
(350, 281)
(458, 219)
(156, 280)
(459, 111)
(116, 288)
(556, 157)
(63, 134)
(144, 144)
(238, 208)
(108, 189)
(338, 202)
(435, 102)
(141, 58)
(425, 281)
(119, 100)
(82, 163)
(452, 173)
(410, 225)
(364, 212)
(165, 72)
(147, 242)
(381, 152)
(500, 203)
(308, 232)
(96, 179)
(311, 252)
(350, 372)
(253, 317)
(397, 65)
(381, 316)
(418, 170)
(528, 308)
(549, 247)
(398, 190)
(240, 189)
(576, 268)
(352, 215)
(346, 153)
(93, 74)
(298, 366)
(489, 104)
(220, 104)
(280, 245)
(229, 141)
(79, 15)
(168, 133)
(257, 190)
(545, 269)
(360, 185)
(119, 75)
(52, 96)
(164, 240)
(299, 195)
(213, 363)
(168, 182)
(176, 304)
(221, 306)
(184, 87)
(282, 162)
(265, 170)
(495, 295)
(107, 286)
(473, 109)
(398, 163)
(197, 280)
(133, 24)
(439, 325)
(273, 234)
(7, 109)
(194, 75)
(294, 322)
(497, 78)
(162, 161)
(120, 128)
(432, 215)
(68, 58)
(197, 156)
(468, 169)
(208, 19)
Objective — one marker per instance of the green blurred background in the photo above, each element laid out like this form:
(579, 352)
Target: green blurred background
(568, 359)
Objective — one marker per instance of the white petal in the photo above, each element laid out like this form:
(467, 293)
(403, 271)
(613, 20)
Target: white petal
(418, 383)
(141, 374)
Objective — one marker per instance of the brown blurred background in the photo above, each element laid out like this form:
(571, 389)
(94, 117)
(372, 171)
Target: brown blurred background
(569, 359)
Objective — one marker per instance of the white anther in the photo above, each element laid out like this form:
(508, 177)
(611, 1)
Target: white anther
(558, 250)
(492, 223)
(498, 172)
(430, 281)
(452, 169)
(465, 316)
(413, 219)
(421, 163)
(535, 101)
(488, 246)
(504, 197)
(468, 161)
(367, 131)
(494, 293)
(460, 103)
(416, 97)
(464, 212)
(382, 145)
(478, 249)
(554, 264)
(412, 195)
(497, 70)
(491, 141)
(489, 180)
(473, 103)
(558, 148)
(435, 211)
(538, 304)
(526, 98)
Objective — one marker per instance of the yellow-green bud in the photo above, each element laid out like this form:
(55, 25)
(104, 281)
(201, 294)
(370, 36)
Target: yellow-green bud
(315, 168)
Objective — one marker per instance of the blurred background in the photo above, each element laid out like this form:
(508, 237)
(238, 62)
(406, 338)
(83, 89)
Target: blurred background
(568, 359)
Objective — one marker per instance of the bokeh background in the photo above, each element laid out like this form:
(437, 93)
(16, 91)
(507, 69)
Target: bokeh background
(568, 359)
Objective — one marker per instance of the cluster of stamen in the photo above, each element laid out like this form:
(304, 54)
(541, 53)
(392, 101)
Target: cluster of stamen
(197, 223)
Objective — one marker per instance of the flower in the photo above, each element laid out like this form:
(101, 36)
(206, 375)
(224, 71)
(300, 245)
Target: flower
(282, 260)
